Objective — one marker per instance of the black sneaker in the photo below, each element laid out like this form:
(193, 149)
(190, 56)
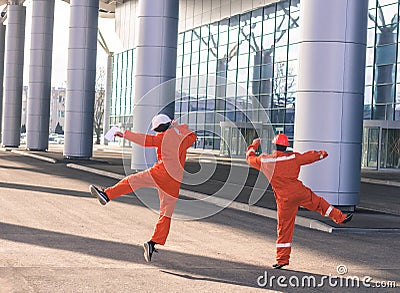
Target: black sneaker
(148, 250)
(279, 266)
(348, 218)
(100, 194)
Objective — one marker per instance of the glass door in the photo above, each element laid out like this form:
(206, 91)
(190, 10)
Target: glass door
(371, 147)
(226, 138)
(390, 146)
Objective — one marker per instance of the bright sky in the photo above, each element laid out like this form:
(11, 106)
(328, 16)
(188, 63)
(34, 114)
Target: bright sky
(60, 42)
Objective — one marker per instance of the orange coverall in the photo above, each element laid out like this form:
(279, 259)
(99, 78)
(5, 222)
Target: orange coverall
(166, 174)
(282, 170)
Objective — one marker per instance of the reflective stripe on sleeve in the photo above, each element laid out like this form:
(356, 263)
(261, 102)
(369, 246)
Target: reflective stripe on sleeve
(273, 160)
(282, 245)
(328, 211)
(250, 151)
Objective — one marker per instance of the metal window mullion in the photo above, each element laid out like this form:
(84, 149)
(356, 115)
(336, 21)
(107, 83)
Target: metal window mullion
(119, 82)
(126, 82)
(129, 75)
(374, 63)
(287, 67)
(247, 82)
(273, 62)
(123, 82)
(261, 64)
(216, 79)
(395, 68)
(122, 72)
(198, 70)
(133, 84)
(113, 86)
(207, 72)
(379, 148)
(190, 74)
(181, 79)
(237, 74)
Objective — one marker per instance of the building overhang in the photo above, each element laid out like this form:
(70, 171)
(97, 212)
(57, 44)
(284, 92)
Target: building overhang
(106, 7)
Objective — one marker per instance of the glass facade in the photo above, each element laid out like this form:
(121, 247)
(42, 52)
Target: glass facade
(123, 89)
(382, 83)
(382, 87)
(246, 57)
(222, 67)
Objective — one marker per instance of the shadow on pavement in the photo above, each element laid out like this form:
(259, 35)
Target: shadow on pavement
(18, 168)
(58, 169)
(52, 190)
(126, 199)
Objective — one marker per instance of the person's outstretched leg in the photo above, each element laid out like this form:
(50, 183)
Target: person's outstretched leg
(320, 205)
(286, 219)
(126, 185)
(130, 184)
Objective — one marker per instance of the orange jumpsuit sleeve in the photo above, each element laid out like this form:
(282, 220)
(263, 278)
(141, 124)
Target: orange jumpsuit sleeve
(146, 140)
(251, 156)
(309, 157)
(189, 136)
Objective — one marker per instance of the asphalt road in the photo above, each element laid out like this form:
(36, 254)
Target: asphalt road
(55, 238)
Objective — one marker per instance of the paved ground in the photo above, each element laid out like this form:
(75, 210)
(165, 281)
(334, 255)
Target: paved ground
(55, 238)
(382, 174)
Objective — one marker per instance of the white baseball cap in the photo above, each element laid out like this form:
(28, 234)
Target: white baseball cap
(158, 120)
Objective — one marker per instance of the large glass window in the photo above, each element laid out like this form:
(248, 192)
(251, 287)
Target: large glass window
(244, 57)
(123, 89)
(382, 55)
(257, 52)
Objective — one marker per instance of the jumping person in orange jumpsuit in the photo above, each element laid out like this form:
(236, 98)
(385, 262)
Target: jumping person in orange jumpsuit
(171, 143)
(282, 170)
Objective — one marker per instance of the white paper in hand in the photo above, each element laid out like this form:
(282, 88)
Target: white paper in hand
(110, 134)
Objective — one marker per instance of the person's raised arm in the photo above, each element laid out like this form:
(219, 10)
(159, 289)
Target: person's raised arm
(189, 135)
(146, 140)
(251, 156)
(311, 157)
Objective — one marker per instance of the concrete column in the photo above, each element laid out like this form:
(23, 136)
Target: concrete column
(13, 75)
(156, 52)
(81, 78)
(39, 92)
(107, 97)
(2, 48)
(329, 105)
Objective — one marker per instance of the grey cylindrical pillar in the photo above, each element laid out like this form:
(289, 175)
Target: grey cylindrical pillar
(13, 75)
(81, 78)
(107, 97)
(329, 105)
(38, 104)
(156, 52)
(2, 48)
